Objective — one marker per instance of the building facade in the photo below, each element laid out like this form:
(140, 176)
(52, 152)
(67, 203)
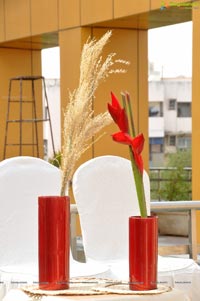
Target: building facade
(170, 117)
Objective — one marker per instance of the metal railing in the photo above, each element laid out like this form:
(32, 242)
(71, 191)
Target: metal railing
(164, 180)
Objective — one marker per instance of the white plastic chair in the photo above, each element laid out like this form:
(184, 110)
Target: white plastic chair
(22, 180)
(105, 195)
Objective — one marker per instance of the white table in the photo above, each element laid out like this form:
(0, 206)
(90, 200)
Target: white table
(173, 295)
(183, 284)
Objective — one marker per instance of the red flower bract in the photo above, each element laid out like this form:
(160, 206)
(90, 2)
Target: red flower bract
(136, 144)
(124, 119)
(118, 114)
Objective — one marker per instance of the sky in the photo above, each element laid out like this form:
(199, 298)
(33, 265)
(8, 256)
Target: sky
(50, 62)
(169, 48)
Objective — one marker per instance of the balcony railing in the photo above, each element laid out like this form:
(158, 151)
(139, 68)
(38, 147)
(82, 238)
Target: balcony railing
(156, 207)
(170, 183)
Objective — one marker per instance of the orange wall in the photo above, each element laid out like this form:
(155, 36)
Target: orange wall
(23, 18)
(44, 16)
(69, 13)
(129, 45)
(96, 11)
(196, 112)
(14, 63)
(17, 19)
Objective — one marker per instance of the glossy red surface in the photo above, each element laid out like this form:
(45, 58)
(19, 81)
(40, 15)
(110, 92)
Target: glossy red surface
(54, 242)
(143, 252)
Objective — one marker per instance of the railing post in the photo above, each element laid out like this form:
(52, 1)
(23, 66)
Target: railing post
(192, 235)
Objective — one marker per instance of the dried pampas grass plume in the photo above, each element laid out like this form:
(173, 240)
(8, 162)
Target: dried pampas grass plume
(80, 123)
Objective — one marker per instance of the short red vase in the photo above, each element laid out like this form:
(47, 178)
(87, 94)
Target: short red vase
(143, 252)
(54, 242)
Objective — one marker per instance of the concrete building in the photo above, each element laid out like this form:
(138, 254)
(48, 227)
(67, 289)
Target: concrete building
(53, 94)
(170, 122)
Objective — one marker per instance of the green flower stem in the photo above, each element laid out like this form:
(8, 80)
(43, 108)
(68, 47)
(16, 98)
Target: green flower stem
(130, 114)
(124, 101)
(136, 173)
(139, 186)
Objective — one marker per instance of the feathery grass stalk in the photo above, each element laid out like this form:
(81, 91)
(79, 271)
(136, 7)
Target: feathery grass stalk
(80, 123)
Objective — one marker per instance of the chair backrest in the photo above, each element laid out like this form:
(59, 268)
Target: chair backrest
(22, 180)
(105, 193)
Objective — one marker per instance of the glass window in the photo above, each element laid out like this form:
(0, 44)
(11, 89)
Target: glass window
(184, 142)
(45, 144)
(155, 109)
(156, 145)
(156, 148)
(156, 140)
(184, 109)
(172, 104)
(172, 140)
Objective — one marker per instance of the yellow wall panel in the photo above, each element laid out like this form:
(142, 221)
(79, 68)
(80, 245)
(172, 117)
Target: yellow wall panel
(124, 8)
(125, 44)
(143, 102)
(196, 111)
(129, 46)
(70, 58)
(69, 13)
(44, 16)
(156, 4)
(93, 11)
(14, 63)
(2, 21)
(121, 42)
(17, 19)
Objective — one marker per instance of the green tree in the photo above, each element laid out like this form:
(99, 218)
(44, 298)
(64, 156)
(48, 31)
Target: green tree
(178, 186)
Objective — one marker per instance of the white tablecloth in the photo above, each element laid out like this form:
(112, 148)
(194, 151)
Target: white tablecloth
(174, 295)
(186, 279)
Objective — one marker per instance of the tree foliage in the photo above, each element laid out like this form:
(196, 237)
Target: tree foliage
(176, 182)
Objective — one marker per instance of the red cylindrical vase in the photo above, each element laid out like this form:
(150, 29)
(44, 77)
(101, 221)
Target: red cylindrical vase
(143, 252)
(54, 242)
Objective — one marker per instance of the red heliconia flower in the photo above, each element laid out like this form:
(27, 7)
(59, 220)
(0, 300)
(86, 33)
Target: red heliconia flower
(137, 148)
(118, 114)
(136, 144)
(124, 118)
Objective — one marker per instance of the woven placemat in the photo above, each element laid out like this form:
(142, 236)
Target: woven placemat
(92, 286)
(77, 286)
(123, 289)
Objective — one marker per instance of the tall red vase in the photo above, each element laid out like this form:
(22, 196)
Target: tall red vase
(54, 242)
(143, 252)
